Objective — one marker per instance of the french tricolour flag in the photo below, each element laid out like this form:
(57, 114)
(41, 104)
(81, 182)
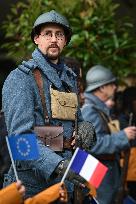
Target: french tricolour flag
(88, 167)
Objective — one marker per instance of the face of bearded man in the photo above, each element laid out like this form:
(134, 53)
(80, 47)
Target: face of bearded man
(51, 41)
(53, 52)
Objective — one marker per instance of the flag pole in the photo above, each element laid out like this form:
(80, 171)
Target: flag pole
(69, 165)
(13, 164)
(95, 200)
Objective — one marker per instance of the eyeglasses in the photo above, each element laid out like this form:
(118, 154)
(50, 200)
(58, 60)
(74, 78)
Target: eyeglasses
(49, 34)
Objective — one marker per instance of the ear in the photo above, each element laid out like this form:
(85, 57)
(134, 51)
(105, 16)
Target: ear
(36, 39)
(65, 43)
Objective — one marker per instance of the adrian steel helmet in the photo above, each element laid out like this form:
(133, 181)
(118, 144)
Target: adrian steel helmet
(98, 76)
(52, 17)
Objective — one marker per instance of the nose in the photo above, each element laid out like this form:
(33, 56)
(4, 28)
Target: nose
(54, 37)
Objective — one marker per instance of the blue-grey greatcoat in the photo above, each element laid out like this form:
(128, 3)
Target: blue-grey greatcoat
(23, 110)
(106, 144)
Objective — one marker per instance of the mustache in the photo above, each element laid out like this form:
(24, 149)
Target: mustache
(53, 46)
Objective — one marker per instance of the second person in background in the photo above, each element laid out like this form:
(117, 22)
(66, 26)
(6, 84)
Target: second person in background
(101, 85)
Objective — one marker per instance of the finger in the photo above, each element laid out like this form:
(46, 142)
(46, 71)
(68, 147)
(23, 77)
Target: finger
(73, 133)
(62, 185)
(73, 142)
(22, 190)
(18, 184)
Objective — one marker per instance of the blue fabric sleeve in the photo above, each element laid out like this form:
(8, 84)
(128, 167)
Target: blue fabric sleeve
(106, 143)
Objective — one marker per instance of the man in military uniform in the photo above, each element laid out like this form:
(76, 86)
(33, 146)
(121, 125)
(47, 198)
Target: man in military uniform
(101, 85)
(48, 97)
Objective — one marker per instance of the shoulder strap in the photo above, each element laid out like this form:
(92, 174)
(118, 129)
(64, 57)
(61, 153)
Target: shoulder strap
(104, 118)
(39, 81)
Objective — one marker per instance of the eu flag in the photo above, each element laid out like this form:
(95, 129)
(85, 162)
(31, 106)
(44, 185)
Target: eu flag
(23, 146)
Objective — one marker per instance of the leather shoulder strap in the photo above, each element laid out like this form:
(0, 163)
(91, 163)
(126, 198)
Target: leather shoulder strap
(39, 81)
(104, 118)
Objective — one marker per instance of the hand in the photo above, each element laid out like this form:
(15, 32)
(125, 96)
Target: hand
(53, 193)
(73, 141)
(130, 132)
(71, 176)
(63, 193)
(20, 188)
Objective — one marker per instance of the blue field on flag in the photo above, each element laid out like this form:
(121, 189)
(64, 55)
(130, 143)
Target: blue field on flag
(23, 146)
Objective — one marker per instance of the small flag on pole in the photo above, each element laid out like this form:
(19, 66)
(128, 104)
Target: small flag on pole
(23, 146)
(89, 168)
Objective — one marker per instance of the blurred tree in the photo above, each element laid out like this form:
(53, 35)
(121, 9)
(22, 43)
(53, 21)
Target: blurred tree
(98, 37)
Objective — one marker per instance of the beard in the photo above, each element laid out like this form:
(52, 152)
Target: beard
(51, 55)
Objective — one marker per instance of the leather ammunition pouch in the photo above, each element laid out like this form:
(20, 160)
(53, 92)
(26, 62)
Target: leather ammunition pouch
(52, 136)
(63, 105)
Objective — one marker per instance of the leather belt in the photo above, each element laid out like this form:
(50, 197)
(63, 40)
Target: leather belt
(108, 157)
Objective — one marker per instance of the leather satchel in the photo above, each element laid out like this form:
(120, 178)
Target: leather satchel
(52, 136)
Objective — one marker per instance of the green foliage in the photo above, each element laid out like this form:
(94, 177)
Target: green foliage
(101, 39)
(98, 37)
(18, 27)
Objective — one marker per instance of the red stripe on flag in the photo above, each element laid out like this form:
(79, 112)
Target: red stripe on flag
(98, 175)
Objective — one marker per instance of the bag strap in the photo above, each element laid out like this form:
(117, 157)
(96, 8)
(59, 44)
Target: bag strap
(105, 118)
(39, 81)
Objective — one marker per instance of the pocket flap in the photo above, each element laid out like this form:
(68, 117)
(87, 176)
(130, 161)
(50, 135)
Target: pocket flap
(65, 99)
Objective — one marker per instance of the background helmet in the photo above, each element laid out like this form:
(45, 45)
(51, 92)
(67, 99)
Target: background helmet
(52, 17)
(98, 76)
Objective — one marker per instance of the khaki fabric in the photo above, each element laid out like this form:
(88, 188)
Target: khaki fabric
(63, 105)
(10, 195)
(114, 126)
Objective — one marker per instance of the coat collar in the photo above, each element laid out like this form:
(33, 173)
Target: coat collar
(50, 72)
(91, 98)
